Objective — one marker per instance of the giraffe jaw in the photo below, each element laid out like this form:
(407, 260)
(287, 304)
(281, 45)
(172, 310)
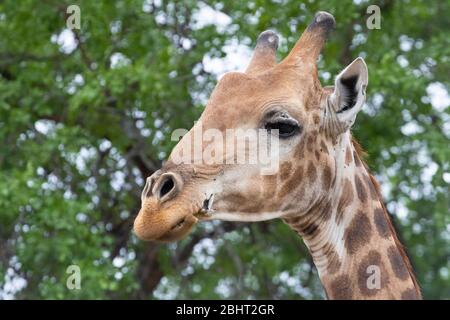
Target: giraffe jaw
(208, 213)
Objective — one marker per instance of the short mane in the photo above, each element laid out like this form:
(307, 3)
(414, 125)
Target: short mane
(362, 155)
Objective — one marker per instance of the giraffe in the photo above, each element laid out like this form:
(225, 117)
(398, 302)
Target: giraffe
(323, 189)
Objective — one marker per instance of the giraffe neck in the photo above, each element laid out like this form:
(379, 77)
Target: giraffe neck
(351, 238)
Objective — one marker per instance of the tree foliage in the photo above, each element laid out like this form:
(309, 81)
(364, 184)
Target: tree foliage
(86, 115)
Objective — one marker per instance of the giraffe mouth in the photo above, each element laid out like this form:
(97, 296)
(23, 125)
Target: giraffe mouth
(184, 225)
(179, 230)
(179, 224)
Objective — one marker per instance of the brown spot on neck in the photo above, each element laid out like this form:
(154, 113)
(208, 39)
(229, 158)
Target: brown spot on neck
(360, 190)
(410, 294)
(358, 233)
(327, 177)
(380, 223)
(341, 288)
(345, 200)
(397, 263)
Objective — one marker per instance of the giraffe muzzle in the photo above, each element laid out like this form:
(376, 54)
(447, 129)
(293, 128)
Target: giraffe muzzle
(166, 213)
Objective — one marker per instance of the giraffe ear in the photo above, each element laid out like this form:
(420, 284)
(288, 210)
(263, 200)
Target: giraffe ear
(349, 93)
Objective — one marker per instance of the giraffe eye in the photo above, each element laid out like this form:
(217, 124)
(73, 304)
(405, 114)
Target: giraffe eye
(286, 127)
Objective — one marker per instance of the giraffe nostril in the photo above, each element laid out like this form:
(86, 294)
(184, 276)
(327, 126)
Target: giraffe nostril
(162, 186)
(166, 186)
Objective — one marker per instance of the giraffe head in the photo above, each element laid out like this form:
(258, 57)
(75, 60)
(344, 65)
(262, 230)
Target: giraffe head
(285, 100)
